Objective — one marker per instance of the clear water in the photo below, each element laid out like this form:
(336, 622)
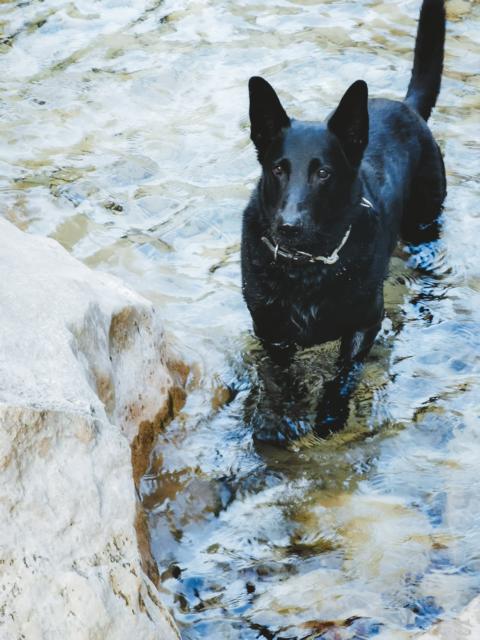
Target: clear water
(124, 135)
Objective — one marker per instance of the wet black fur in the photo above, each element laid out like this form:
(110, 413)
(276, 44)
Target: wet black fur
(377, 149)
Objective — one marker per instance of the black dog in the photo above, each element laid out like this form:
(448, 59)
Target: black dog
(332, 201)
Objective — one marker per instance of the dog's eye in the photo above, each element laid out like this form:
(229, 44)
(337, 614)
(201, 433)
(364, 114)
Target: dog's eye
(323, 174)
(278, 170)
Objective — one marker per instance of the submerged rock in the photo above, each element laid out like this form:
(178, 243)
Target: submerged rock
(82, 366)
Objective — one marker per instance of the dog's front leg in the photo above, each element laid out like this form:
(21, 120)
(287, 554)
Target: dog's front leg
(274, 407)
(333, 409)
(356, 346)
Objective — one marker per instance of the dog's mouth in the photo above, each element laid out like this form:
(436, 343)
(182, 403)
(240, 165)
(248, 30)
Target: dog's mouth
(302, 257)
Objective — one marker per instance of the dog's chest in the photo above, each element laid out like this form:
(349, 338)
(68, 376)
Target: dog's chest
(305, 304)
(303, 316)
(306, 308)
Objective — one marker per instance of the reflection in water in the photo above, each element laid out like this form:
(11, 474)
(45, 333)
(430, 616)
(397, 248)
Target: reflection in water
(124, 136)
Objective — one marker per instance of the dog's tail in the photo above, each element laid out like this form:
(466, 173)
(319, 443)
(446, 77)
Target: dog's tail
(428, 62)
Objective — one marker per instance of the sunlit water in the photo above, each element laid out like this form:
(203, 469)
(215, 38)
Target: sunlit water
(124, 135)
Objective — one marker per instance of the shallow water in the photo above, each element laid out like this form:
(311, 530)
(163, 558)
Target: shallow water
(124, 135)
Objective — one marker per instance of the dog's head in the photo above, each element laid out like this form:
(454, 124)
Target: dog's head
(310, 170)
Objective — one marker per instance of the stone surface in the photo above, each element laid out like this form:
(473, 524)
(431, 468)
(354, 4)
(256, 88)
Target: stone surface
(465, 627)
(82, 366)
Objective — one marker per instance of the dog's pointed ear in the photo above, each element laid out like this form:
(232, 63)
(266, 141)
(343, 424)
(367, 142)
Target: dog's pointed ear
(349, 122)
(267, 116)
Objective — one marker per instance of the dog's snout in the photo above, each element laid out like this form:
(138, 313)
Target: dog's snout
(290, 229)
(290, 218)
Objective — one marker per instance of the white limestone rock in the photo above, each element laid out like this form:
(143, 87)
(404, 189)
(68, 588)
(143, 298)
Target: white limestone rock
(466, 626)
(82, 364)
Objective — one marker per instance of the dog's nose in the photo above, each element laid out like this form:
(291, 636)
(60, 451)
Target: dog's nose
(289, 229)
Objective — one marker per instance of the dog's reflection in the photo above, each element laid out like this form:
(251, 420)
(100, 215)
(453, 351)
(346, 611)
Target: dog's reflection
(298, 392)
